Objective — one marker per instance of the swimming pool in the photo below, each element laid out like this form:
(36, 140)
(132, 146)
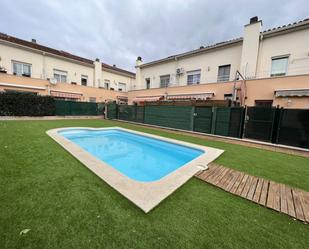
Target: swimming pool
(141, 158)
(144, 168)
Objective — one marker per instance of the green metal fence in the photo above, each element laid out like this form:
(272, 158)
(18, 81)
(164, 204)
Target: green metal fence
(179, 117)
(73, 108)
(274, 125)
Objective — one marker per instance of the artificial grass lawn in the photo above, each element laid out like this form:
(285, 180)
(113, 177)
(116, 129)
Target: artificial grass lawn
(45, 189)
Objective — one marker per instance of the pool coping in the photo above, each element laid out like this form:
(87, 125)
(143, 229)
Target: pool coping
(146, 195)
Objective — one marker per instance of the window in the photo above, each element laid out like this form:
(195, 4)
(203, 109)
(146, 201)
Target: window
(264, 103)
(228, 96)
(21, 69)
(93, 99)
(84, 80)
(60, 76)
(164, 80)
(148, 83)
(194, 77)
(224, 73)
(279, 66)
(122, 87)
(106, 84)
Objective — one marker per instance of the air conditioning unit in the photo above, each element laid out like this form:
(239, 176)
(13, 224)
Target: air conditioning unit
(179, 71)
(53, 81)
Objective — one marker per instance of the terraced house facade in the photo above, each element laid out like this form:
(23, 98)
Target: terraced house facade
(29, 66)
(262, 68)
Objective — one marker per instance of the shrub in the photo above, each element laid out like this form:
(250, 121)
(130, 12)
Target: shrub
(26, 104)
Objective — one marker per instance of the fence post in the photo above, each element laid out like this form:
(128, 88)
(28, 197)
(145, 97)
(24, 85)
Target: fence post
(192, 118)
(277, 124)
(213, 120)
(244, 122)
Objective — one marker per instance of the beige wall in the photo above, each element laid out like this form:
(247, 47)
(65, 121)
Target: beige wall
(43, 65)
(29, 84)
(294, 44)
(208, 63)
(258, 89)
(252, 58)
(115, 79)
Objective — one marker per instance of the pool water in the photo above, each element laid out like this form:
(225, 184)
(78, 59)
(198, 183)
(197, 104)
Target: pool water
(141, 158)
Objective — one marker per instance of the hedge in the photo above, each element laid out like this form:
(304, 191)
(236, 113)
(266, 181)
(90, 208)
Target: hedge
(26, 104)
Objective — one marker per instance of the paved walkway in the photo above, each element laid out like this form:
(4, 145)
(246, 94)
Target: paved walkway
(282, 198)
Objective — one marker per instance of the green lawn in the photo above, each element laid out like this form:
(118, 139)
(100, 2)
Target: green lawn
(45, 189)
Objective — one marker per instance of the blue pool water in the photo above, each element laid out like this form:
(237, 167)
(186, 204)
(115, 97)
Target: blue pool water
(139, 157)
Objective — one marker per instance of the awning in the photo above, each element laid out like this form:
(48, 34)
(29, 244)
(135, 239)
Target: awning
(148, 98)
(201, 96)
(123, 98)
(66, 95)
(292, 93)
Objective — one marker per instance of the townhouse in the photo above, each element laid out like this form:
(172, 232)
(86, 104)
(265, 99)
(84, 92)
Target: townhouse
(29, 66)
(262, 68)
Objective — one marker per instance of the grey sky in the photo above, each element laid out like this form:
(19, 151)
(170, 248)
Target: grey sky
(118, 31)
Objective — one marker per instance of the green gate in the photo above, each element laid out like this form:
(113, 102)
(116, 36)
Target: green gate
(112, 111)
(202, 119)
(222, 121)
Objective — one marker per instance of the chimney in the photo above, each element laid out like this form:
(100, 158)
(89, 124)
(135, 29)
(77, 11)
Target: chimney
(138, 75)
(33, 40)
(97, 73)
(250, 48)
(254, 19)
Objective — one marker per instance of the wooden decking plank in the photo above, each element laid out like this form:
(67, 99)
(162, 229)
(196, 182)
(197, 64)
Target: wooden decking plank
(215, 174)
(226, 179)
(277, 197)
(241, 185)
(233, 181)
(283, 199)
(298, 206)
(246, 187)
(305, 204)
(223, 172)
(212, 171)
(271, 195)
(258, 190)
(252, 188)
(206, 173)
(238, 181)
(290, 201)
(264, 193)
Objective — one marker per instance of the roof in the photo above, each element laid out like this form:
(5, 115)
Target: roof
(196, 51)
(269, 32)
(286, 27)
(61, 53)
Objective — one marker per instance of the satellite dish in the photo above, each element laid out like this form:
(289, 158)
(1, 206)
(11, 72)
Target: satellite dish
(53, 81)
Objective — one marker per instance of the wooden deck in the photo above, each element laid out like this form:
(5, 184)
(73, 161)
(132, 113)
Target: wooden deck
(291, 201)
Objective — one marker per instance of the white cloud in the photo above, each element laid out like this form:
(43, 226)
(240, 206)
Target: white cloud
(119, 31)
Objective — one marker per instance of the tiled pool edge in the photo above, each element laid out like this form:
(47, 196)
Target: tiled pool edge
(145, 195)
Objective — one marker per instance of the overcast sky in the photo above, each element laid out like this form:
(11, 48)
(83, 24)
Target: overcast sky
(117, 31)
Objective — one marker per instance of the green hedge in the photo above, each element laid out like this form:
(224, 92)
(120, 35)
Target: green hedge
(26, 104)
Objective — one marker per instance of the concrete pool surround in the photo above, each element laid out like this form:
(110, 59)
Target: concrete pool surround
(146, 195)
